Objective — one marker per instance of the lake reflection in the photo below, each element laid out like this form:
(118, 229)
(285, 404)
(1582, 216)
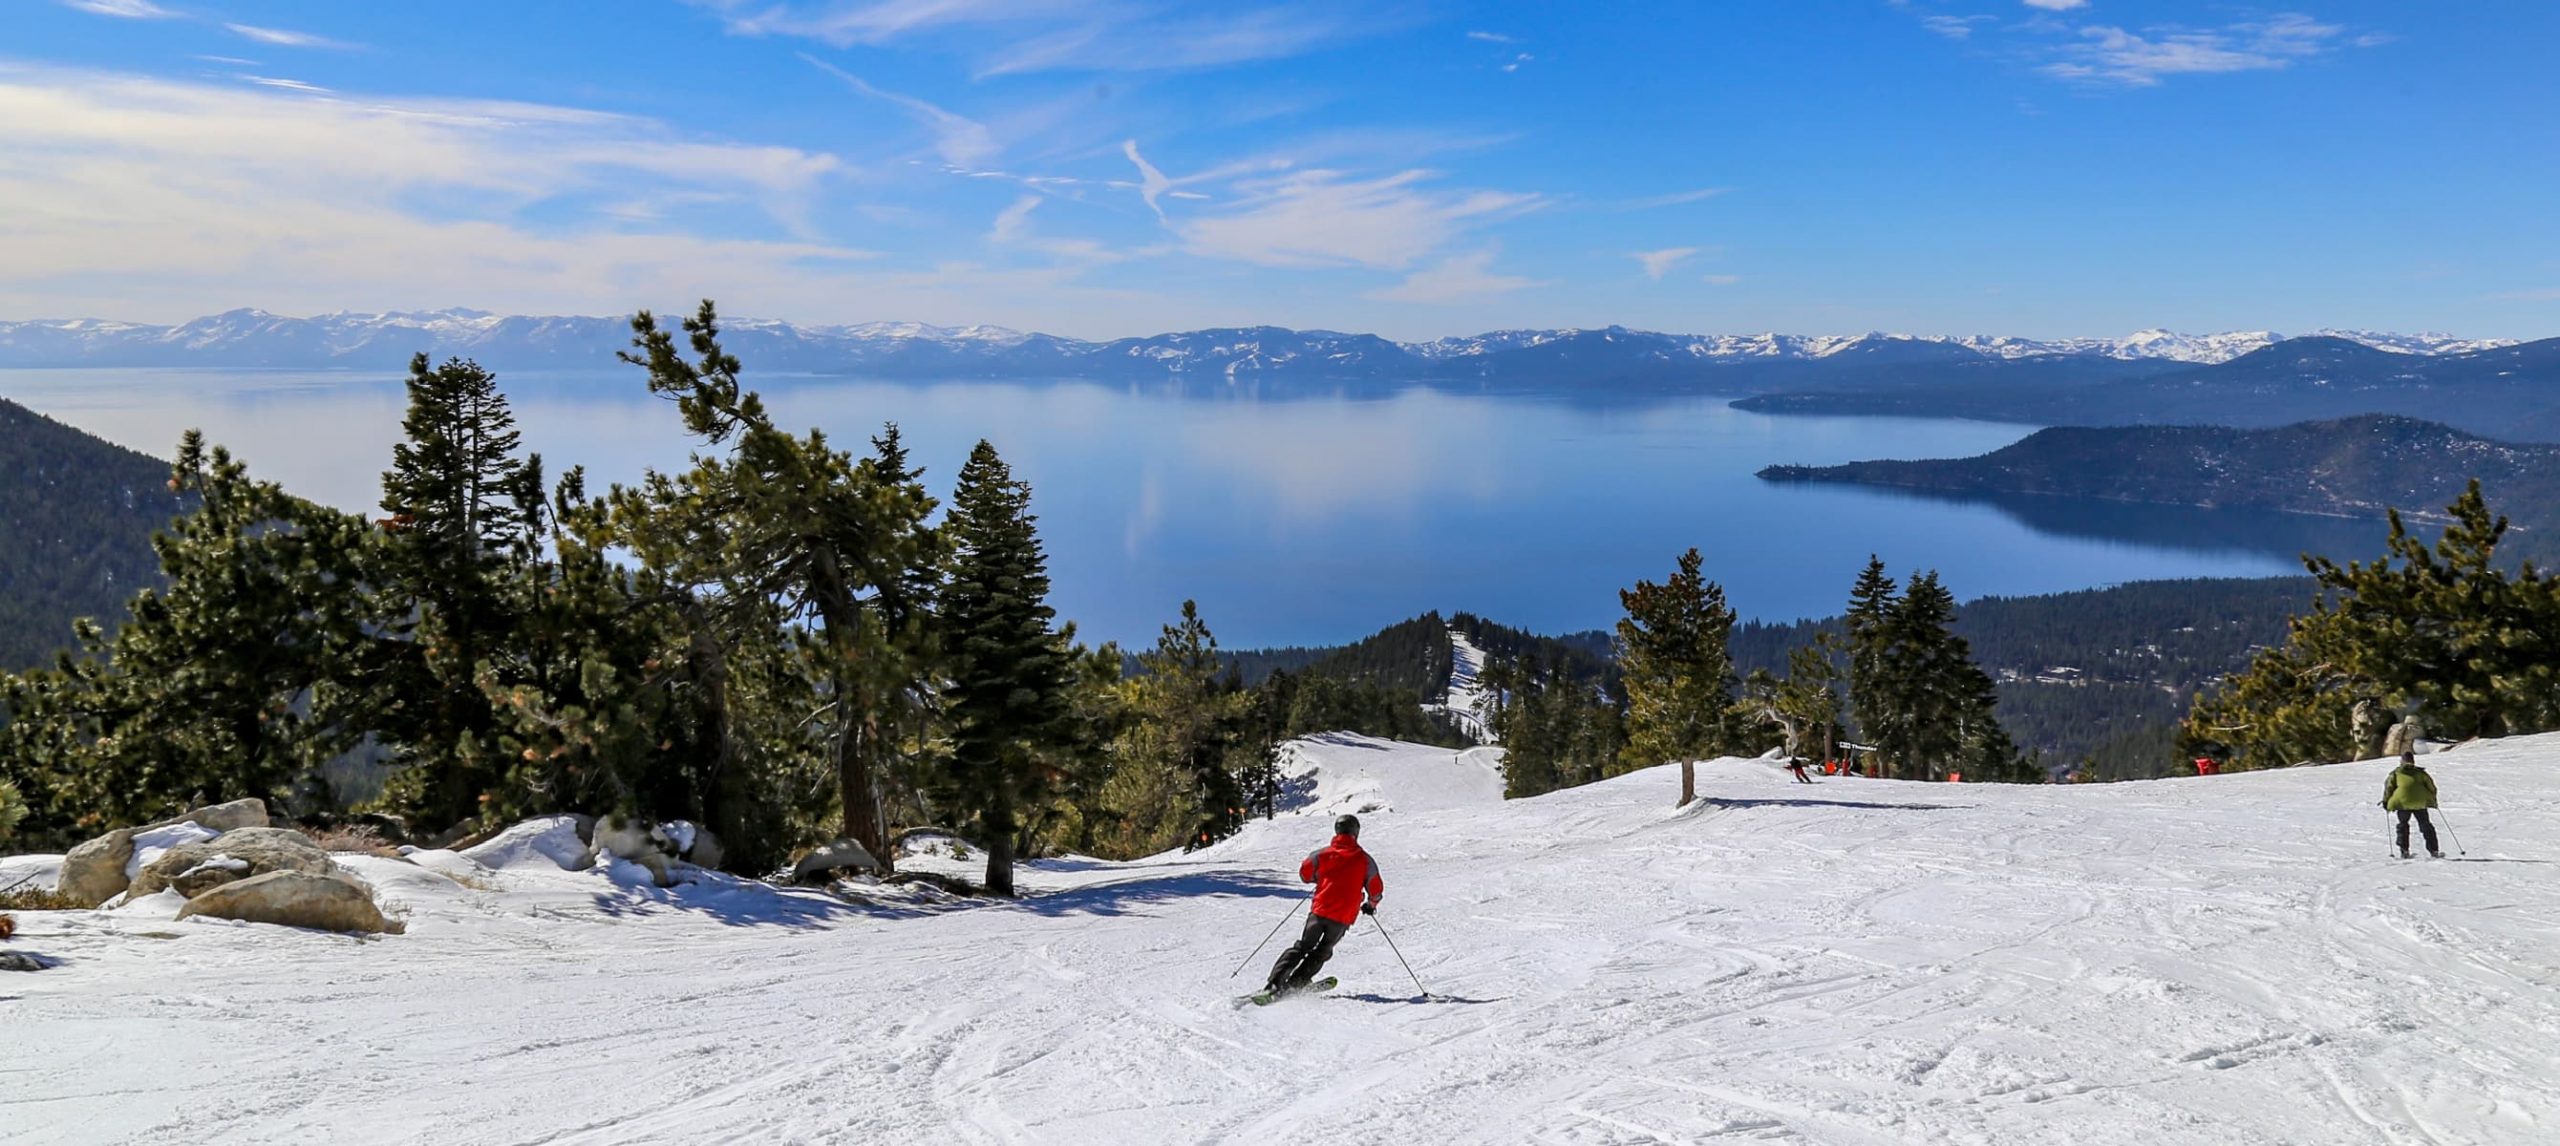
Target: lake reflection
(1310, 520)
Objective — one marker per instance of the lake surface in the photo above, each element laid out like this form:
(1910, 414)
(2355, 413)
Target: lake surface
(1308, 520)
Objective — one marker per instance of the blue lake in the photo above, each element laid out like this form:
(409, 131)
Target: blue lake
(1305, 520)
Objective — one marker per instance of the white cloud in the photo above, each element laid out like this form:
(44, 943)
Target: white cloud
(287, 85)
(1673, 200)
(186, 198)
(1657, 263)
(961, 141)
(1456, 279)
(1013, 36)
(2057, 5)
(123, 9)
(1326, 219)
(1491, 37)
(1152, 183)
(1953, 27)
(284, 38)
(1009, 222)
(2112, 55)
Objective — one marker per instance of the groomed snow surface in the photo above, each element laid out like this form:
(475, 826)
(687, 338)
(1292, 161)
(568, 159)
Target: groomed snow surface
(2225, 960)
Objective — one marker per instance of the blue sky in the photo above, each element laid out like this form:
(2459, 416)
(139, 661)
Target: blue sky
(1112, 167)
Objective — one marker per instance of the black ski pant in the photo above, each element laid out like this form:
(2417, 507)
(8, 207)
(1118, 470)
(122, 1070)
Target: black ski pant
(1298, 965)
(2426, 827)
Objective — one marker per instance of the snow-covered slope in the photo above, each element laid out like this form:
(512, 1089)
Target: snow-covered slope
(1467, 700)
(2226, 961)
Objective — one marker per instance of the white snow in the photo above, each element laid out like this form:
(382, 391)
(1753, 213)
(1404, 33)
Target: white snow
(549, 841)
(1467, 700)
(2228, 960)
(151, 845)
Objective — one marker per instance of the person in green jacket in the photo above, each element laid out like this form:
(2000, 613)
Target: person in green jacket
(2409, 791)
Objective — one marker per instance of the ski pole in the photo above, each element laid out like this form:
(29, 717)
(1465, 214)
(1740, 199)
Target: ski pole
(1408, 967)
(1266, 941)
(2448, 830)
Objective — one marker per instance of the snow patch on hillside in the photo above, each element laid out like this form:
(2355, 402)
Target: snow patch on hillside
(1467, 700)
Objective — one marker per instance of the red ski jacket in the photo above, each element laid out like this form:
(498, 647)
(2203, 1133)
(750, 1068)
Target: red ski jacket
(1341, 871)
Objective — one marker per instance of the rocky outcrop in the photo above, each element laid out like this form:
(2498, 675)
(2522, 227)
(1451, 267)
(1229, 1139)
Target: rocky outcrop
(94, 872)
(247, 853)
(237, 814)
(336, 902)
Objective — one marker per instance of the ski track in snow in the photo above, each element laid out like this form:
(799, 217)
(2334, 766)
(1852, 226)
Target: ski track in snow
(2227, 960)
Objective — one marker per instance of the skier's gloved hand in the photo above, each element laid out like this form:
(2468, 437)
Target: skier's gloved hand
(1369, 908)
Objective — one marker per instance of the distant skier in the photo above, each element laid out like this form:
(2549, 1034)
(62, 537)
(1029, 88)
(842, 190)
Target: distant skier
(1341, 871)
(2409, 791)
(1796, 765)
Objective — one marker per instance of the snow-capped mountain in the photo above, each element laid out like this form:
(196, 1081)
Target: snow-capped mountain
(380, 340)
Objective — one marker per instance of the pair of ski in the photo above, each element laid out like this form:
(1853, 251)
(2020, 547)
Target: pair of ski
(1266, 996)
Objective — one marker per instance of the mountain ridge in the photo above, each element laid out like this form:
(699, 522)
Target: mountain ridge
(257, 338)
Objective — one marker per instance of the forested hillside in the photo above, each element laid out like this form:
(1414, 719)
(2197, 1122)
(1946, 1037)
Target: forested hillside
(2507, 391)
(76, 519)
(2358, 467)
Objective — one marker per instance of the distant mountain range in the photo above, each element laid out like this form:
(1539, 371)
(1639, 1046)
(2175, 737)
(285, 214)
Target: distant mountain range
(2510, 392)
(255, 338)
(2357, 467)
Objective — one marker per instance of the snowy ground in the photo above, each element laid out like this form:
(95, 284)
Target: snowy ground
(2224, 960)
(1468, 701)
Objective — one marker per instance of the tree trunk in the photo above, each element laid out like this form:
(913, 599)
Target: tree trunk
(1688, 783)
(1000, 862)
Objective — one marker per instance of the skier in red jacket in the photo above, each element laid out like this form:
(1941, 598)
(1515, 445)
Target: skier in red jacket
(1341, 872)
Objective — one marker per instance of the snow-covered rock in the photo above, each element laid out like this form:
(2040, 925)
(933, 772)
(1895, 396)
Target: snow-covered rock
(551, 842)
(257, 851)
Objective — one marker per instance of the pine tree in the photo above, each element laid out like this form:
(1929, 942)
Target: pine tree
(794, 520)
(1873, 699)
(464, 513)
(223, 683)
(1008, 694)
(1678, 672)
(1169, 785)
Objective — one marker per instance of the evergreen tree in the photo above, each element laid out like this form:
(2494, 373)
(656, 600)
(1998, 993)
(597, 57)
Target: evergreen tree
(223, 684)
(464, 514)
(796, 521)
(2444, 630)
(1008, 694)
(1169, 785)
(1873, 699)
(1678, 672)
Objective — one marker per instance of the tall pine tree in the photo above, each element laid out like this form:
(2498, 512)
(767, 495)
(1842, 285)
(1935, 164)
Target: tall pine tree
(1672, 647)
(1008, 695)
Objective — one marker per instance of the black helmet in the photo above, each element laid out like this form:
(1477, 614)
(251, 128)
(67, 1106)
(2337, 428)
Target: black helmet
(1346, 825)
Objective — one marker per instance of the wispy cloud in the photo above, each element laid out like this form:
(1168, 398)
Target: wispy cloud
(1954, 27)
(1673, 200)
(123, 9)
(1460, 278)
(285, 38)
(2106, 54)
(2057, 5)
(287, 85)
(1016, 36)
(1720, 280)
(1658, 263)
(1491, 37)
(958, 139)
(1328, 219)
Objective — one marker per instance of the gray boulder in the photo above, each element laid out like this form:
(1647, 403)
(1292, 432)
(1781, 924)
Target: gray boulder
(196, 868)
(2403, 737)
(249, 813)
(832, 856)
(294, 899)
(19, 961)
(93, 873)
